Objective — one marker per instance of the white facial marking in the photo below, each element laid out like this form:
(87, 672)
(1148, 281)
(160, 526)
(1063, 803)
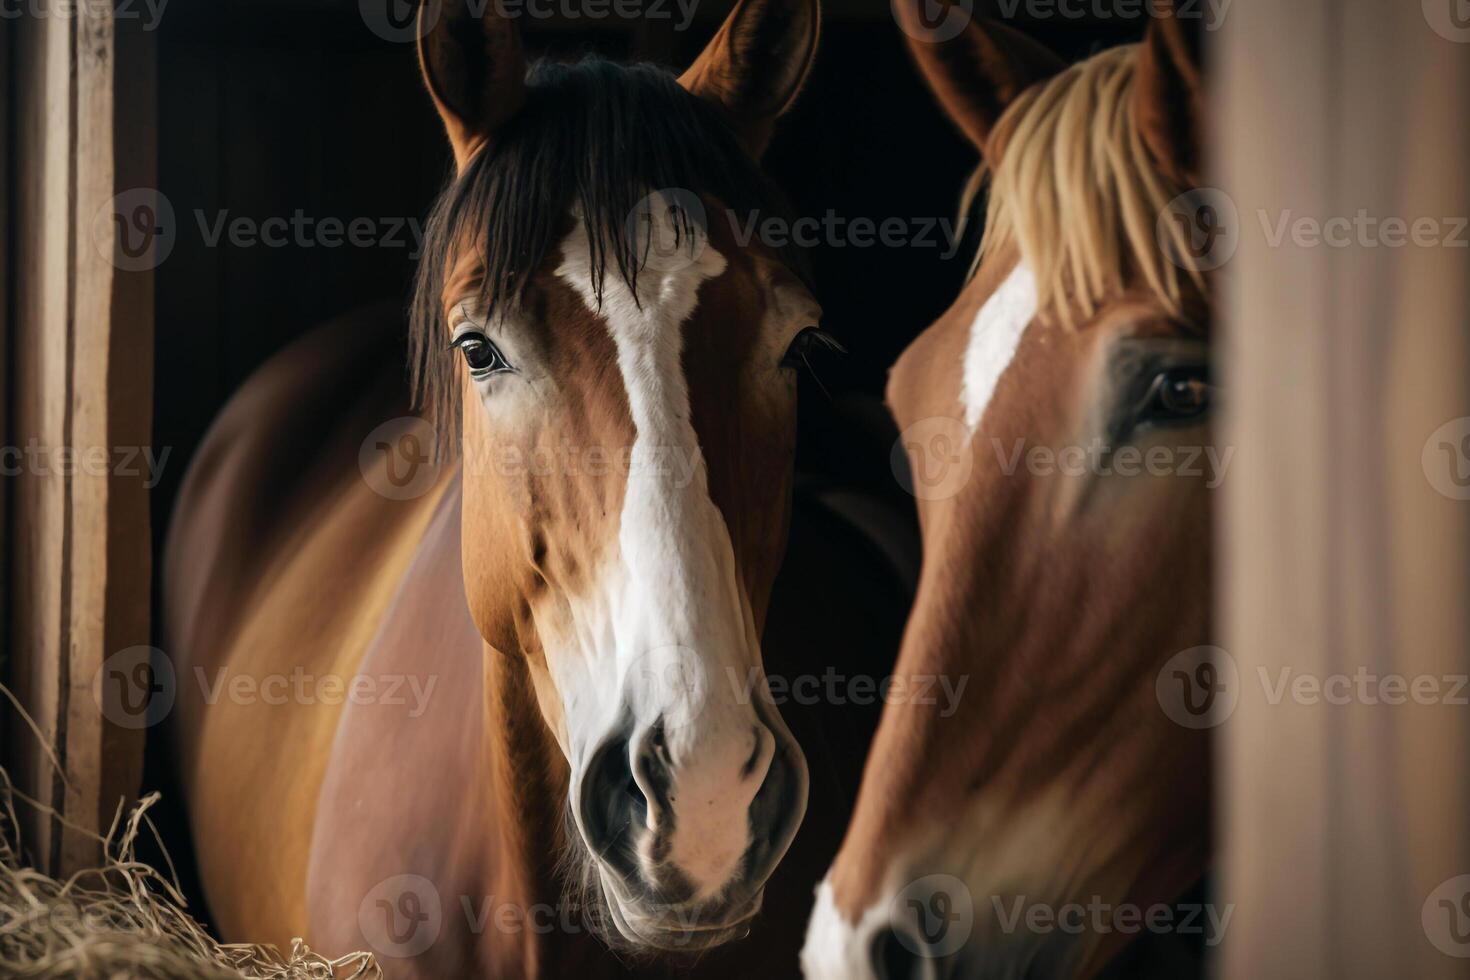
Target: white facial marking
(836, 948)
(677, 616)
(986, 851)
(994, 337)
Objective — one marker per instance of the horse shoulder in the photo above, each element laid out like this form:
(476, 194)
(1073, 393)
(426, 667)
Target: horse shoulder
(280, 561)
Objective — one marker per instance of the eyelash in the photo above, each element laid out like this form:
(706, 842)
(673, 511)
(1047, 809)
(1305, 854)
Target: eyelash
(807, 340)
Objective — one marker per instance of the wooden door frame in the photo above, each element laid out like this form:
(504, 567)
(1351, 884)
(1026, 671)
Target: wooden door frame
(1338, 552)
(80, 97)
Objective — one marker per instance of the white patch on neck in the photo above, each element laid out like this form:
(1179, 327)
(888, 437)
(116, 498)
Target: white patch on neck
(994, 337)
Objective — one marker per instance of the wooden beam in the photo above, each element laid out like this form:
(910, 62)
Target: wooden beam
(83, 350)
(1342, 554)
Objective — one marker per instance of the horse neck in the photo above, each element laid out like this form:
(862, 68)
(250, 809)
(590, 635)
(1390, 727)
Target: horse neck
(528, 772)
(528, 787)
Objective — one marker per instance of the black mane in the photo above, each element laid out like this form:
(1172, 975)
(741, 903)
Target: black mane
(593, 136)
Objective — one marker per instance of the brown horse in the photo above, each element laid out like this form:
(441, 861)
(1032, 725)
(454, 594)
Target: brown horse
(410, 681)
(1028, 833)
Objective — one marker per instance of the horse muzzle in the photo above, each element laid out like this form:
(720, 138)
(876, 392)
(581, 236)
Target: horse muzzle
(687, 827)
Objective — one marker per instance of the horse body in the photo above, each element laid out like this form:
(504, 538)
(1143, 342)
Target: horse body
(422, 817)
(280, 563)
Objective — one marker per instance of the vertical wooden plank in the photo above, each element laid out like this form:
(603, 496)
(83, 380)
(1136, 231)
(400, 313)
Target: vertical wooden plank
(112, 395)
(7, 334)
(80, 571)
(1342, 554)
(1275, 786)
(41, 525)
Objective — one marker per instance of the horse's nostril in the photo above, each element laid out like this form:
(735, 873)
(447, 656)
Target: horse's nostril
(651, 777)
(636, 800)
(894, 956)
(611, 803)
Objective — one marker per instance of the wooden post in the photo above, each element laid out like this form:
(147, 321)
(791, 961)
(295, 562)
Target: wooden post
(82, 86)
(1345, 538)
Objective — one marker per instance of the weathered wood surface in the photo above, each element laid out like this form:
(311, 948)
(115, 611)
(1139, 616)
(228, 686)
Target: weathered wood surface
(81, 85)
(1345, 550)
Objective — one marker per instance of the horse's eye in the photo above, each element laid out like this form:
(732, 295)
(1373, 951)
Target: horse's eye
(483, 357)
(1178, 395)
(807, 342)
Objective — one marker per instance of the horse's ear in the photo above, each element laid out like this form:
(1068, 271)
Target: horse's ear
(474, 68)
(756, 64)
(975, 66)
(1168, 95)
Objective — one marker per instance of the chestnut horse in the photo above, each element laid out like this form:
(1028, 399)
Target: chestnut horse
(1013, 837)
(407, 690)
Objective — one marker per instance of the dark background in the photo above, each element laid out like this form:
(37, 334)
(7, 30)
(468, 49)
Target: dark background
(267, 107)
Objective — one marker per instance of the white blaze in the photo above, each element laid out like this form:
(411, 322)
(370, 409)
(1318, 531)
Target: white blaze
(994, 337)
(680, 619)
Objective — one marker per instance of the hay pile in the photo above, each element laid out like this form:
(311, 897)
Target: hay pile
(126, 919)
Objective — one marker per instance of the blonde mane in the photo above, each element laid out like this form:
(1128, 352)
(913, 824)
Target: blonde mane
(1079, 195)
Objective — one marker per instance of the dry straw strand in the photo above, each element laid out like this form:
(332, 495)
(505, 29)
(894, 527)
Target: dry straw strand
(125, 918)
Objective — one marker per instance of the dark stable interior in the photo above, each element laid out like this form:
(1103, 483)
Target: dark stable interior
(268, 108)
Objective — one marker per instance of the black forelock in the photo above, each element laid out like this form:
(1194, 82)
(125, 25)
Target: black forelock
(593, 138)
